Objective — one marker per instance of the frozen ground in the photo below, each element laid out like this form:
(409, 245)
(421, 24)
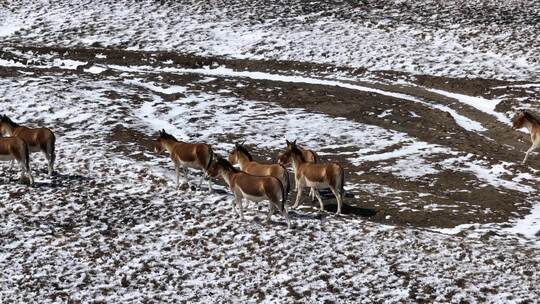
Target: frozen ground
(482, 38)
(110, 226)
(439, 207)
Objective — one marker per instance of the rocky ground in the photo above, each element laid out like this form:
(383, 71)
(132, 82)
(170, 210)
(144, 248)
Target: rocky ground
(439, 207)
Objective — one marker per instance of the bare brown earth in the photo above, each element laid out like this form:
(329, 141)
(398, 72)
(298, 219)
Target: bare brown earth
(459, 190)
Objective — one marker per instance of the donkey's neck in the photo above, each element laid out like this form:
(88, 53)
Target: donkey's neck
(243, 161)
(296, 162)
(532, 127)
(169, 145)
(8, 130)
(226, 175)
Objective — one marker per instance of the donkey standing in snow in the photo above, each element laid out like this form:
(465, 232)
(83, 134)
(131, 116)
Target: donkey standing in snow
(309, 156)
(16, 149)
(532, 123)
(320, 175)
(185, 155)
(251, 187)
(38, 139)
(241, 156)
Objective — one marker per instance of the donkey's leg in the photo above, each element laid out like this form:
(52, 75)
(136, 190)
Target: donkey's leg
(285, 214)
(209, 183)
(49, 166)
(532, 148)
(318, 196)
(25, 171)
(233, 203)
(339, 199)
(11, 163)
(186, 175)
(177, 169)
(271, 209)
(52, 157)
(201, 180)
(240, 206)
(299, 186)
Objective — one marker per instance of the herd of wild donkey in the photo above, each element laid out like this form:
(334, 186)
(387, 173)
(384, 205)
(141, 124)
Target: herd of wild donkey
(253, 181)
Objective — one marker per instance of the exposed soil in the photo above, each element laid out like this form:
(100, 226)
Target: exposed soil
(433, 126)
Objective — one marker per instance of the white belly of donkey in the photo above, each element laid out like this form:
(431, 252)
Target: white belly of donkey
(194, 165)
(5, 157)
(316, 185)
(253, 198)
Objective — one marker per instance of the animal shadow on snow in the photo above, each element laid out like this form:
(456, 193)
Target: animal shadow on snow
(330, 208)
(62, 180)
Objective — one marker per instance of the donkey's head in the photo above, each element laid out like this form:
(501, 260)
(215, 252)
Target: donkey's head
(6, 125)
(220, 166)
(519, 119)
(292, 151)
(163, 137)
(238, 152)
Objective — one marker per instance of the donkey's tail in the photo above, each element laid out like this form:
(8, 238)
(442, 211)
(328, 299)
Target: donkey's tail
(287, 184)
(315, 156)
(341, 186)
(283, 195)
(52, 149)
(26, 157)
(211, 158)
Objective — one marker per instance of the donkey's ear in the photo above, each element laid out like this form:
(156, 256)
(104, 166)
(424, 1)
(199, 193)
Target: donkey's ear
(294, 142)
(243, 143)
(287, 141)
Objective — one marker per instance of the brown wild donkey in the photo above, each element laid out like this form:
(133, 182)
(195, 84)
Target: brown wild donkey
(251, 187)
(185, 155)
(38, 139)
(16, 149)
(532, 123)
(241, 156)
(309, 156)
(328, 175)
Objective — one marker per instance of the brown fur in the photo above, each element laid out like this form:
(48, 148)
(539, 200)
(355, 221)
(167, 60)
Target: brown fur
(241, 156)
(248, 186)
(309, 156)
(316, 176)
(185, 155)
(38, 139)
(524, 119)
(14, 148)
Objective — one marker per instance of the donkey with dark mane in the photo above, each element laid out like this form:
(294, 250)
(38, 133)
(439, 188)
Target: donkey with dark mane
(320, 175)
(38, 139)
(241, 156)
(185, 155)
(251, 187)
(532, 123)
(309, 156)
(16, 149)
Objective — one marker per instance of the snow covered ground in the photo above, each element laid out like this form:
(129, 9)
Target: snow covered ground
(454, 38)
(110, 227)
(420, 158)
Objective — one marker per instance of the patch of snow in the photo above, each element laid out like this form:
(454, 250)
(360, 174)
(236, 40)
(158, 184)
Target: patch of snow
(95, 69)
(528, 226)
(479, 103)
(172, 89)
